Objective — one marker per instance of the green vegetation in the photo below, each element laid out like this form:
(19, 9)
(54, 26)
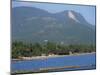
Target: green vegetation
(22, 49)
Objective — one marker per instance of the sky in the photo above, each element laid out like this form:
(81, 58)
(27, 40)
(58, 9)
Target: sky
(88, 12)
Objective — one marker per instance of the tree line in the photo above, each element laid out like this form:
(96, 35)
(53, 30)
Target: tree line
(22, 49)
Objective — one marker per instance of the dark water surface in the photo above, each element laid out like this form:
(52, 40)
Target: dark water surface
(87, 61)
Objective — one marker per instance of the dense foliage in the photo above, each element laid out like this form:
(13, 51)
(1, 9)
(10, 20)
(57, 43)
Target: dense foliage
(22, 49)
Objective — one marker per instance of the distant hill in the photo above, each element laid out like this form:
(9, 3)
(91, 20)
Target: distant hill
(36, 25)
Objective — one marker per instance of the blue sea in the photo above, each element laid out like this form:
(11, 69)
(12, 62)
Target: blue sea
(87, 61)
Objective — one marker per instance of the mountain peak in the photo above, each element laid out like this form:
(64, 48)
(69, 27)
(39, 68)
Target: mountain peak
(72, 16)
(29, 24)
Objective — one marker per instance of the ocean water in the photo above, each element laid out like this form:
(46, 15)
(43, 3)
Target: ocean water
(87, 61)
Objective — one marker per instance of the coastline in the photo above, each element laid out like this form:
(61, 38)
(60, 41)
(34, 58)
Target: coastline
(51, 56)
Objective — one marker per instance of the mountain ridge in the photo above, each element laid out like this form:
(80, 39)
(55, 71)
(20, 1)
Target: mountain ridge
(30, 23)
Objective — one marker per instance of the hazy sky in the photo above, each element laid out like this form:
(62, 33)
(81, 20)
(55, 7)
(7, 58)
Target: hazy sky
(87, 11)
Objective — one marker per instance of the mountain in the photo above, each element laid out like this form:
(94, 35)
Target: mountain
(36, 25)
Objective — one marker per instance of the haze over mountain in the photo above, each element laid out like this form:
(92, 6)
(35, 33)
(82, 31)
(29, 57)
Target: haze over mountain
(32, 24)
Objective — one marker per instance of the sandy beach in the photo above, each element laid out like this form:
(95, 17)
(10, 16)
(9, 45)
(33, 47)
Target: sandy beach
(51, 56)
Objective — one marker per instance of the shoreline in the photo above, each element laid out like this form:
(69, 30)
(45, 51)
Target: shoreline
(46, 57)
